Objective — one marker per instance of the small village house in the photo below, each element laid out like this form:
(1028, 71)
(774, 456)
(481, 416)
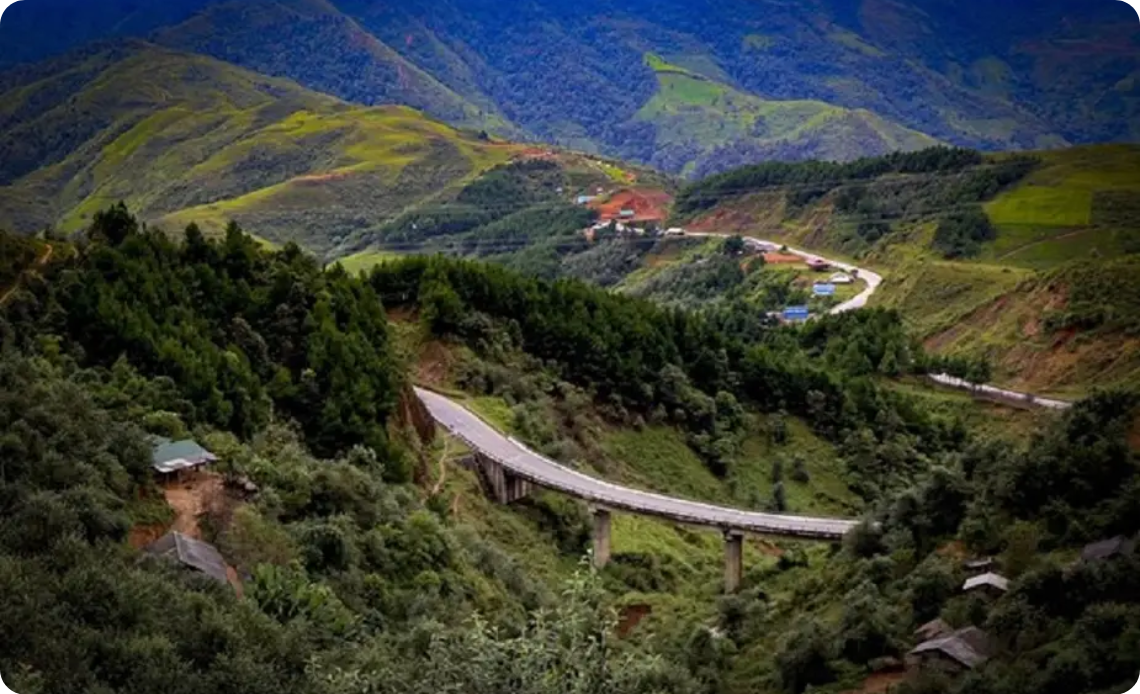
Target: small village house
(1106, 550)
(988, 584)
(176, 459)
(818, 265)
(977, 567)
(932, 630)
(194, 555)
(953, 653)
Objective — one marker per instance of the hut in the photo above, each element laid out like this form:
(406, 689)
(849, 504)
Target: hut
(192, 554)
(1106, 550)
(989, 584)
(174, 459)
(932, 630)
(952, 653)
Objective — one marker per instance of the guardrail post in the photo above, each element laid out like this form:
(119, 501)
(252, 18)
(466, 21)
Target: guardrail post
(733, 560)
(601, 537)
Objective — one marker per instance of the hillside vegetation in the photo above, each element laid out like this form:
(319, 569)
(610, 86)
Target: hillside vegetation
(183, 138)
(704, 126)
(1017, 259)
(833, 78)
(353, 577)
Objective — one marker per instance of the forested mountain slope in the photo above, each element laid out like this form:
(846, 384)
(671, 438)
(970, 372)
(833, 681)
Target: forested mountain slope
(1012, 75)
(353, 577)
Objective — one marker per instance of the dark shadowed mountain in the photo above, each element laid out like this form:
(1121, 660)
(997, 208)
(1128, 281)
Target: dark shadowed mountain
(687, 85)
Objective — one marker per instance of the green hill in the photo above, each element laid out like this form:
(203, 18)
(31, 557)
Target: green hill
(185, 138)
(313, 43)
(710, 126)
(1023, 261)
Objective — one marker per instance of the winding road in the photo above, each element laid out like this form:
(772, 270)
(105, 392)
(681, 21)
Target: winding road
(872, 279)
(544, 472)
(526, 464)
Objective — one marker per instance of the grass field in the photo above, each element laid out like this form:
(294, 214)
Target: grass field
(1079, 202)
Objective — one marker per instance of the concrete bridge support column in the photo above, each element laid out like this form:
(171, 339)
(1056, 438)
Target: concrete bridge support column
(502, 486)
(733, 560)
(517, 488)
(601, 537)
(495, 476)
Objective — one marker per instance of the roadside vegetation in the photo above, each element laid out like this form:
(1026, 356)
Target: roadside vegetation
(366, 555)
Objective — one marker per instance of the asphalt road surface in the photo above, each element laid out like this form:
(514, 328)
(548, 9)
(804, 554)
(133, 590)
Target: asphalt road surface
(527, 464)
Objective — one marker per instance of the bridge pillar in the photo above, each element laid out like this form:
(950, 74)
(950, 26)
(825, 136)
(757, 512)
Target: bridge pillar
(495, 478)
(517, 488)
(601, 537)
(502, 486)
(733, 560)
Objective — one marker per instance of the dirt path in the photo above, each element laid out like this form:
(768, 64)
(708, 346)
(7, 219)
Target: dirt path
(44, 259)
(190, 500)
(442, 468)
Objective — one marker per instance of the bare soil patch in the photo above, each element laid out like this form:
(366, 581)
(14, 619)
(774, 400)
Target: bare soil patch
(647, 204)
(782, 259)
(192, 499)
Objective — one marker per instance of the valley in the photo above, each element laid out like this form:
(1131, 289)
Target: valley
(682, 347)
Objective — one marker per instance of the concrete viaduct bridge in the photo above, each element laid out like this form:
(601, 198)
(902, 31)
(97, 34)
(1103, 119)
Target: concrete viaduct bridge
(511, 470)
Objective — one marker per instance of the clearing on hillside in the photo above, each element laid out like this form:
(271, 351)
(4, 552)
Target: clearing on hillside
(646, 205)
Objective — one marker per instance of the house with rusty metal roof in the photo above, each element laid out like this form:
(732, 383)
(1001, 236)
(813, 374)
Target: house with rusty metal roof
(193, 554)
(964, 649)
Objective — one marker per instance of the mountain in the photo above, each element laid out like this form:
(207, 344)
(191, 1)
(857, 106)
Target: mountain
(702, 126)
(1011, 75)
(1022, 260)
(326, 51)
(182, 138)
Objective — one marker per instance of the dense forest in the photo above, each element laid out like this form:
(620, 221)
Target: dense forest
(357, 579)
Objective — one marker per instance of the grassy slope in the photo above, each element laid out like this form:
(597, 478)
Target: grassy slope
(184, 138)
(692, 110)
(1082, 205)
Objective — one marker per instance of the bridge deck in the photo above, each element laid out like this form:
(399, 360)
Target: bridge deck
(525, 463)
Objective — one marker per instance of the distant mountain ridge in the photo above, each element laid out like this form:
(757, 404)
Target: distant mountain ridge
(184, 138)
(1009, 75)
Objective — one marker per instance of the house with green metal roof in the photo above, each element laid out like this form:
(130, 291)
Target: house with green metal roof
(172, 457)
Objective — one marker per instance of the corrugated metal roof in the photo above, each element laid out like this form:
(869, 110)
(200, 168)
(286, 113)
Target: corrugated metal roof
(170, 456)
(1106, 549)
(192, 553)
(969, 646)
(988, 579)
(933, 629)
